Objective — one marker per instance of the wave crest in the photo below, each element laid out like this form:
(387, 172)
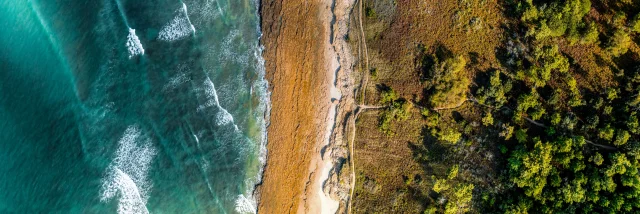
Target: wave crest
(127, 174)
(133, 44)
(178, 28)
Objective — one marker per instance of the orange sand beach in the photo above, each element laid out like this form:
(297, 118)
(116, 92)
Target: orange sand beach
(303, 69)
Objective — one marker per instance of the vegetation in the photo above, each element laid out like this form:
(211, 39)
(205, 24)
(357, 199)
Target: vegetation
(396, 109)
(557, 19)
(552, 127)
(449, 83)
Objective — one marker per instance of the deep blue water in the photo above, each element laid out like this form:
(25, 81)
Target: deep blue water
(130, 106)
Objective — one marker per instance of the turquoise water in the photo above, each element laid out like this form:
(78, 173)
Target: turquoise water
(128, 106)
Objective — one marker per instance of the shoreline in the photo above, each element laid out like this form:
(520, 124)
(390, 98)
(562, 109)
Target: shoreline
(308, 66)
(332, 193)
(299, 105)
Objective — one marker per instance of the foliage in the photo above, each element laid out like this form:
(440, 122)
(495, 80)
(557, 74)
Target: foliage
(388, 96)
(619, 43)
(369, 12)
(530, 169)
(557, 19)
(449, 83)
(635, 23)
(546, 61)
(495, 93)
(450, 136)
(453, 172)
(560, 143)
(590, 35)
(459, 203)
(487, 120)
(397, 109)
(440, 185)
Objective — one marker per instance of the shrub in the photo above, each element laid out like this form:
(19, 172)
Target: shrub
(547, 59)
(398, 109)
(440, 186)
(596, 159)
(557, 19)
(619, 43)
(606, 133)
(487, 120)
(495, 93)
(622, 137)
(388, 96)
(369, 12)
(635, 23)
(453, 172)
(449, 82)
(374, 73)
(450, 136)
(590, 36)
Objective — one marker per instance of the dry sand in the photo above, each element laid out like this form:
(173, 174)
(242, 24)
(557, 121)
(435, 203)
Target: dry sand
(308, 66)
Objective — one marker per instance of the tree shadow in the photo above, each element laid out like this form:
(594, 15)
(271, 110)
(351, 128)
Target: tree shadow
(429, 151)
(428, 57)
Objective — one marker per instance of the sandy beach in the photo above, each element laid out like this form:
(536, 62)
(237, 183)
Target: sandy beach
(305, 62)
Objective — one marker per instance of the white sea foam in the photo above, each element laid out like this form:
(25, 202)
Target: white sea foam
(223, 117)
(174, 82)
(206, 13)
(245, 204)
(133, 44)
(127, 174)
(178, 28)
(233, 39)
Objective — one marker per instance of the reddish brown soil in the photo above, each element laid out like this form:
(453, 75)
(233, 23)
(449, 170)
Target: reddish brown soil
(294, 56)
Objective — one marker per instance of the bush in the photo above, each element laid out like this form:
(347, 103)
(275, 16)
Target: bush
(453, 172)
(369, 12)
(388, 96)
(619, 43)
(635, 23)
(398, 109)
(622, 137)
(374, 73)
(495, 93)
(440, 186)
(557, 19)
(449, 82)
(450, 136)
(547, 59)
(487, 120)
(590, 36)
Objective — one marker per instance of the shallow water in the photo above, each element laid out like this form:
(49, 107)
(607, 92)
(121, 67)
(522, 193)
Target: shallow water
(122, 106)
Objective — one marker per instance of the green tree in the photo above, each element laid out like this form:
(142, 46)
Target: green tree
(547, 60)
(440, 186)
(487, 120)
(597, 159)
(619, 43)
(529, 169)
(450, 135)
(606, 133)
(622, 136)
(449, 82)
(635, 23)
(452, 172)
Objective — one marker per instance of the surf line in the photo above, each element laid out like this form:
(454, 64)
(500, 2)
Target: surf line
(134, 47)
(179, 27)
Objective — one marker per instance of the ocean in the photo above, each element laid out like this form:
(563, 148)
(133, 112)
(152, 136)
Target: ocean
(129, 106)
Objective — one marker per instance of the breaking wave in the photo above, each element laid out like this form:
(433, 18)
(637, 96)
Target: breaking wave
(178, 28)
(133, 44)
(223, 117)
(127, 174)
(245, 204)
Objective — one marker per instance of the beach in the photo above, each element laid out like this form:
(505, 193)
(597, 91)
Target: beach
(304, 66)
